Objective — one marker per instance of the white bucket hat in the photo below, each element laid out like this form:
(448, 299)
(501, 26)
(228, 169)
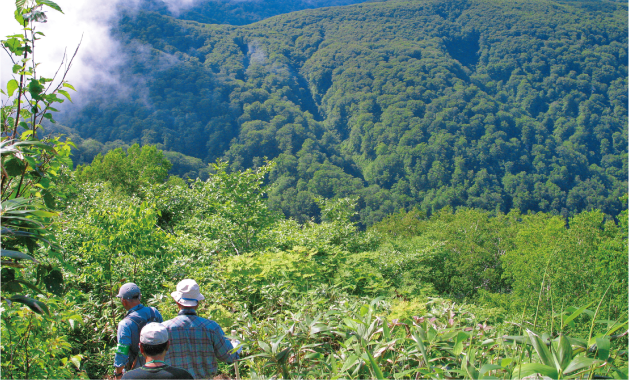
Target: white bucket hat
(187, 293)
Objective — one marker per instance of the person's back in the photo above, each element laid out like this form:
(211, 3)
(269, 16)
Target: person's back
(197, 344)
(164, 372)
(128, 335)
(154, 343)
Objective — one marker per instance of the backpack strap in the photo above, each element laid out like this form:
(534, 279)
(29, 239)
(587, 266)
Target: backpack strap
(140, 321)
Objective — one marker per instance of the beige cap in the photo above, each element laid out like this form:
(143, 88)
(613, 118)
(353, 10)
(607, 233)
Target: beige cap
(153, 334)
(187, 293)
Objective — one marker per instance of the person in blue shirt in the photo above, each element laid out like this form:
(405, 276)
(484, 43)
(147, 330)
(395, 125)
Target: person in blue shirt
(127, 352)
(153, 346)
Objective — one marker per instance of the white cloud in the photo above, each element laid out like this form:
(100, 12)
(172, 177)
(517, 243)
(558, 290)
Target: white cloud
(177, 6)
(86, 19)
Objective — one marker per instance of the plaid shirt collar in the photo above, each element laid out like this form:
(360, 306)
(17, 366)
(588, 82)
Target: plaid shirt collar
(187, 312)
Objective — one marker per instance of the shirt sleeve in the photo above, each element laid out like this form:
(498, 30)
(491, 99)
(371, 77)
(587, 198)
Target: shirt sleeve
(222, 346)
(124, 344)
(159, 316)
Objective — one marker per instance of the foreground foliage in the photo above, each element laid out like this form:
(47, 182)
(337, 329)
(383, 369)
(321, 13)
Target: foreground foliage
(457, 294)
(34, 337)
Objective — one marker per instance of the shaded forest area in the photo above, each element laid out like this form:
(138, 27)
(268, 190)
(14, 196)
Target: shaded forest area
(493, 105)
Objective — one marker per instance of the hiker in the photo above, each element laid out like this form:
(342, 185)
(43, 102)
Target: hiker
(196, 343)
(153, 346)
(128, 351)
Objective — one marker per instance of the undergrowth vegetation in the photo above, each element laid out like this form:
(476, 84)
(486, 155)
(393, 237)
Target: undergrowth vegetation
(460, 294)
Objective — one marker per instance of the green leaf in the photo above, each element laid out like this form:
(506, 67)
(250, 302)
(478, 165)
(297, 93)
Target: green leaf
(603, 344)
(580, 362)
(44, 214)
(349, 362)
(12, 286)
(488, 367)
(29, 285)
(12, 85)
(18, 17)
(76, 360)
(458, 342)
(65, 93)
(564, 352)
(385, 330)
(506, 361)
(68, 85)
(37, 144)
(35, 88)
(532, 368)
(14, 166)
(264, 346)
(472, 373)
(54, 282)
(37, 306)
(16, 69)
(576, 314)
(283, 355)
(16, 255)
(620, 373)
(543, 352)
(420, 345)
(25, 134)
(614, 329)
(374, 366)
(49, 3)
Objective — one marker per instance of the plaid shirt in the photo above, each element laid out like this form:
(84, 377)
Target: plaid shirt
(196, 343)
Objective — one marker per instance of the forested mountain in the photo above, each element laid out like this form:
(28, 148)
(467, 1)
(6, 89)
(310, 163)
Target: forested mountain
(486, 104)
(235, 12)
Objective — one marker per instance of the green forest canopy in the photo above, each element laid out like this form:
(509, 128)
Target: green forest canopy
(456, 294)
(493, 105)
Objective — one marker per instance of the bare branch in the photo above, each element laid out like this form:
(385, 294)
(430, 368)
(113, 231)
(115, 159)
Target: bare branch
(9, 54)
(65, 57)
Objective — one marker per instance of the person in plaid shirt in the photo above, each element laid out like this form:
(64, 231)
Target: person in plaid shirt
(196, 343)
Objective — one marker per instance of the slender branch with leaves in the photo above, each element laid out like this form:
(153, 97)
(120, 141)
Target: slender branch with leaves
(31, 165)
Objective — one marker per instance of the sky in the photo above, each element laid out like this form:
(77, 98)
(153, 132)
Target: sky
(84, 22)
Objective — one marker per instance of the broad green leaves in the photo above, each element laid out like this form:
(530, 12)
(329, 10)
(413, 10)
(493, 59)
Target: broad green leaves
(12, 85)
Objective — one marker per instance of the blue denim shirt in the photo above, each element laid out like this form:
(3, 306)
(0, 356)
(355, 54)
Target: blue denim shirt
(129, 334)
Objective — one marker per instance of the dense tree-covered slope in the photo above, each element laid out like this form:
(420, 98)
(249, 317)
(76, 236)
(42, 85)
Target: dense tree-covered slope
(489, 104)
(236, 12)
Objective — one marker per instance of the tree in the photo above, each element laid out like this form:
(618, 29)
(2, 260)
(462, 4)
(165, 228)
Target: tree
(128, 171)
(30, 166)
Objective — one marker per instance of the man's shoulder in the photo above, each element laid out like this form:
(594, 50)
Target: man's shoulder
(146, 312)
(125, 322)
(208, 323)
(179, 373)
(167, 372)
(193, 320)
